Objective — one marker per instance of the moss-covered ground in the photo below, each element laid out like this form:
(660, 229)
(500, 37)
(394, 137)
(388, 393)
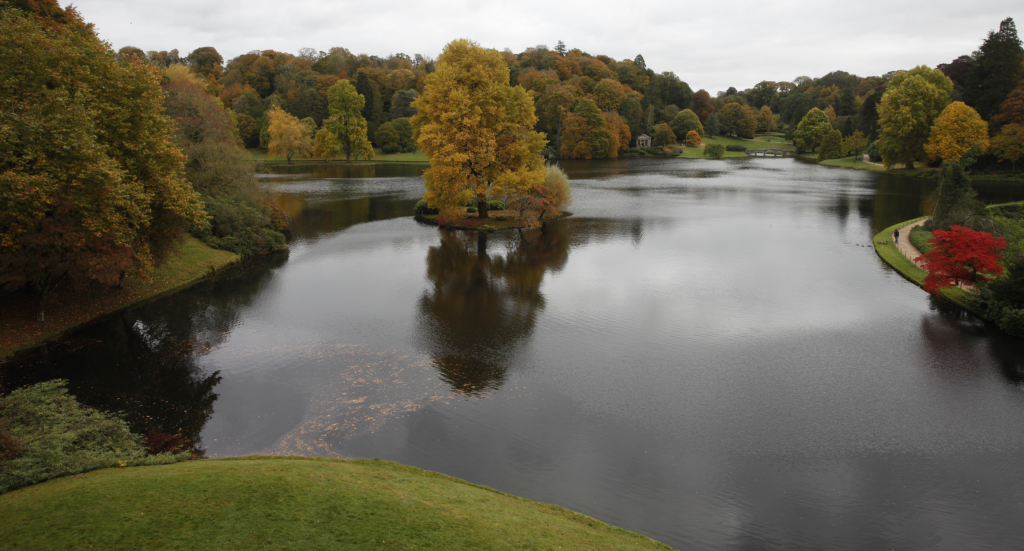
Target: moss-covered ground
(290, 503)
(68, 307)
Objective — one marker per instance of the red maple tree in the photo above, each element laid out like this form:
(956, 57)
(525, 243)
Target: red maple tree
(961, 255)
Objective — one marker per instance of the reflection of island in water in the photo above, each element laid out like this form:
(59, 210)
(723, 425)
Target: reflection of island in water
(482, 305)
(356, 195)
(145, 362)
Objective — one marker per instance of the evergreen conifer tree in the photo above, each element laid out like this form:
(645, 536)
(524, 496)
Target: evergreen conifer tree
(373, 109)
(713, 127)
(995, 70)
(955, 202)
(831, 146)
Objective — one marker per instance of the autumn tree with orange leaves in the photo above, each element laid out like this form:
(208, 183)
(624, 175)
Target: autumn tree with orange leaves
(92, 187)
(702, 106)
(476, 130)
(957, 129)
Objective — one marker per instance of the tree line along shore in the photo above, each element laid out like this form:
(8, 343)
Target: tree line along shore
(126, 174)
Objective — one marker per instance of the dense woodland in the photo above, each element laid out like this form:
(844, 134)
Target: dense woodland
(593, 106)
(110, 155)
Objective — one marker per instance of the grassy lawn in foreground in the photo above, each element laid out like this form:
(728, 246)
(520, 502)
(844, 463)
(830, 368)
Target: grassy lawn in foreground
(67, 307)
(290, 503)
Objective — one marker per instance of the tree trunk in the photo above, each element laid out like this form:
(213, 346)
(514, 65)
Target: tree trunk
(481, 242)
(910, 165)
(481, 205)
(45, 287)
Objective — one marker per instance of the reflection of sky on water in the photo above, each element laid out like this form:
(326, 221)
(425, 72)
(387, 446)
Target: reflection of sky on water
(707, 352)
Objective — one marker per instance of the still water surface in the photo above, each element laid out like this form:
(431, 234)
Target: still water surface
(707, 352)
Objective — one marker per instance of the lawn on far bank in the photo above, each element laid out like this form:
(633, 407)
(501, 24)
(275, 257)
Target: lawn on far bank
(378, 157)
(290, 503)
(68, 307)
(759, 143)
(855, 161)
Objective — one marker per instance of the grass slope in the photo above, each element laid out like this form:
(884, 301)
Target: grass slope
(757, 143)
(290, 503)
(851, 162)
(893, 257)
(67, 307)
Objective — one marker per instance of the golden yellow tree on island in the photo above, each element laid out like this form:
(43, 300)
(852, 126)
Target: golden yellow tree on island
(477, 131)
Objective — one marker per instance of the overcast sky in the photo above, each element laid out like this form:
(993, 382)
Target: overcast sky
(710, 45)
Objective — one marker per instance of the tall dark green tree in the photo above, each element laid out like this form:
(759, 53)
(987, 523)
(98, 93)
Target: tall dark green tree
(205, 60)
(847, 102)
(795, 107)
(712, 126)
(401, 103)
(312, 104)
(831, 146)
(955, 202)
(764, 93)
(373, 109)
(868, 117)
(847, 126)
(996, 69)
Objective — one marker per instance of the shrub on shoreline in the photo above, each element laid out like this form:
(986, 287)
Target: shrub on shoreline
(714, 150)
(49, 435)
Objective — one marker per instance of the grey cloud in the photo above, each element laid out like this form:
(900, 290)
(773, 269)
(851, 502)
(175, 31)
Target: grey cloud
(711, 46)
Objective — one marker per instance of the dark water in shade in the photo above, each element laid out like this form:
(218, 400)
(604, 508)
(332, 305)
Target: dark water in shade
(707, 352)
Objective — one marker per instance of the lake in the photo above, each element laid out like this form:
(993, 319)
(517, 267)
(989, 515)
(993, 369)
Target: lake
(706, 352)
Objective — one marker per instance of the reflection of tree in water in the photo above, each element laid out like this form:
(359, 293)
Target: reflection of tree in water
(898, 198)
(1005, 350)
(325, 217)
(481, 305)
(145, 362)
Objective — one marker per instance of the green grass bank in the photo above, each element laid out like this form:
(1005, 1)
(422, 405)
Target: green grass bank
(853, 162)
(894, 258)
(760, 142)
(67, 308)
(290, 503)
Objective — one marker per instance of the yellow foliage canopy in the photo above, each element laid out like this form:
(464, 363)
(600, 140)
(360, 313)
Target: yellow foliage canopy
(288, 135)
(476, 130)
(955, 132)
(1008, 145)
